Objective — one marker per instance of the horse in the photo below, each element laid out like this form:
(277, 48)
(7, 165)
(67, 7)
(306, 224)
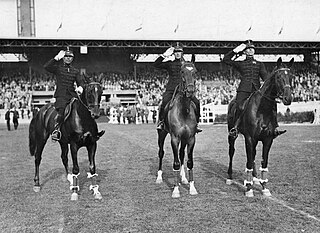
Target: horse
(78, 129)
(180, 123)
(258, 124)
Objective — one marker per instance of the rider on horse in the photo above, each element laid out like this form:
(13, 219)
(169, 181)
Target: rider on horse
(65, 75)
(173, 67)
(251, 71)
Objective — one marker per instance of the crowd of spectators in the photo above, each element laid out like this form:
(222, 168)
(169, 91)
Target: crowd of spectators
(213, 87)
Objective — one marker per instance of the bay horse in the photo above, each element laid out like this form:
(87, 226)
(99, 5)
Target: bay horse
(180, 123)
(78, 129)
(258, 124)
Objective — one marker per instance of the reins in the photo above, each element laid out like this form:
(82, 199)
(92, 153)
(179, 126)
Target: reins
(272, 98)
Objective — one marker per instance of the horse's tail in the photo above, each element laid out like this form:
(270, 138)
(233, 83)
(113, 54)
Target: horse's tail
(32, 137)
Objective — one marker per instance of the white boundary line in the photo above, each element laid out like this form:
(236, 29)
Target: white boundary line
(284, 204)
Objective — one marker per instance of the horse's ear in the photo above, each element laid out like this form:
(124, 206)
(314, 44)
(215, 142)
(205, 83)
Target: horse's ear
(279, 62)
(193, 58)
(291, 63)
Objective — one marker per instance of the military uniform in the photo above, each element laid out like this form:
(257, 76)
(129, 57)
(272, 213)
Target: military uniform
(65, 75)
(251, 71)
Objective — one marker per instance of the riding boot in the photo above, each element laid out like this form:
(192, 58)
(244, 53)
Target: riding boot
(56, 133)
(197, 103)
(276, 132)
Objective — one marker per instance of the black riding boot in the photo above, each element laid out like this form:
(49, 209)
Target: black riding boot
(56, 133)
(235, 131)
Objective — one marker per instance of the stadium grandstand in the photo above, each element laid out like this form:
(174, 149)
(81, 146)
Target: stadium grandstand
(119, 40)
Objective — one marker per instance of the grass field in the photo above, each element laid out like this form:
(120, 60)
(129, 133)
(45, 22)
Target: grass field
(127, 164)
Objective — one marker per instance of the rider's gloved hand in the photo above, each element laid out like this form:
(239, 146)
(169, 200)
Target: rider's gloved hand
(239, 48)
(79, 90)
(60, 55)
(168, 52)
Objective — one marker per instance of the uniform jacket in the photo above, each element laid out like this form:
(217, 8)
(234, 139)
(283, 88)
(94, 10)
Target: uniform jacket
(250, 70)
(173, 68)
(66, 75)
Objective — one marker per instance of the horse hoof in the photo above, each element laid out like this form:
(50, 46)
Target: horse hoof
(184, 181)
(229, 182)
(98, 196)
(193, 190)
(249, 193)
(176, 193)
(256, 180)
(36, 189)
(74, 196)
(266, 193)
(159, 180)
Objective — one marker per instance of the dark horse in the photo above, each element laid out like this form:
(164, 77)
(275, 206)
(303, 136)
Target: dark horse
(258, 124)
(78, 129)
(180, 123)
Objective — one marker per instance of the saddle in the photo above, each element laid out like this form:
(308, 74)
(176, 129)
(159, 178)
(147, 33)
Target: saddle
(68, 109)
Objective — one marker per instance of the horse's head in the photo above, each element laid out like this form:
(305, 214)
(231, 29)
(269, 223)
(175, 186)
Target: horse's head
(92, 95)
(283, 75)
(188, 72)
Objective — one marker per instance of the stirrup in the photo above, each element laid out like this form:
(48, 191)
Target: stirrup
(56, 135)
(160, 125)
(198, 130)
(233, 133)
(277, 133)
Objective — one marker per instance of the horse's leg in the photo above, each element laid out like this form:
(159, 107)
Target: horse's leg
(181, 155)
(190, 148)
(231, 142)
(92, 174)
(64, 157)
(37, 160)
(175, 141)
(75, 172)
(161, 139)
(264, 166)
(255, 178)
(248, 182)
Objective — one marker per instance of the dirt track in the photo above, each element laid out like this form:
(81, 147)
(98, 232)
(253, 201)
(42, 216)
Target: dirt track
(132, 201)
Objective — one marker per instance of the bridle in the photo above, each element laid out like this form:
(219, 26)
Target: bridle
(272, 98)
(96, 102)
(185, 87)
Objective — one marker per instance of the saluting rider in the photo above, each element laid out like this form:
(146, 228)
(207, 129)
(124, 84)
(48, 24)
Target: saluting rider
(66, 75)
(251, 71)
(173, 68)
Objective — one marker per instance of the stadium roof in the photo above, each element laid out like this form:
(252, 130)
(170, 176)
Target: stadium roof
(23, 45)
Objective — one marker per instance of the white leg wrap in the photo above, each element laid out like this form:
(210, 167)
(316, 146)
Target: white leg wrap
(248, 170)
(183, 175)
(70, 179)
(245, 182)
(263, 169)
(89, 175)
(264, 181)
(159, 177)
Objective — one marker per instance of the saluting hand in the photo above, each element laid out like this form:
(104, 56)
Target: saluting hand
(239, 48)
(60, 55)
(168, 52)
